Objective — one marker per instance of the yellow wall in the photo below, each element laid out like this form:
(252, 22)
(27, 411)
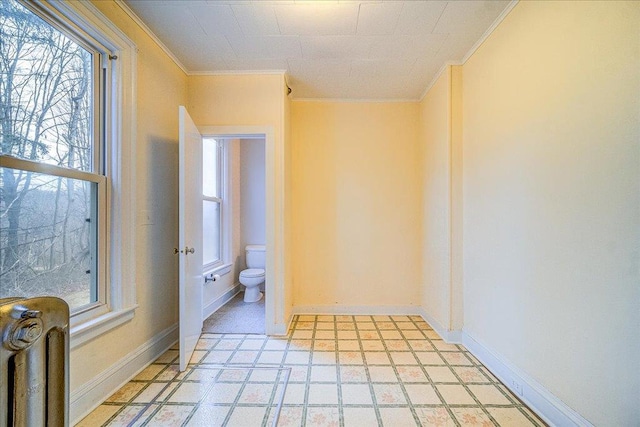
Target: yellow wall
(356, 204)
(161, 87)
(551, 105)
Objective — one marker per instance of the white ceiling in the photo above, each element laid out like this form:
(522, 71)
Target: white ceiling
(329, 49)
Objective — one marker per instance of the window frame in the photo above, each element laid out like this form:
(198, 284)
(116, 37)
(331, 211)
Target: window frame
(221, 191)
(116, 161)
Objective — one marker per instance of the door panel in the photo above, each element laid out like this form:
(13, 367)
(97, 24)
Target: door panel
(190, 236)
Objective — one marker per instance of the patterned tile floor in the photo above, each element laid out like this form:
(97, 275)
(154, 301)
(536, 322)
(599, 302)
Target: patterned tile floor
(329, 371)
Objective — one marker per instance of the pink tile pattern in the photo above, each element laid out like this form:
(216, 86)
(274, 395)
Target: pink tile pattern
(329, 370)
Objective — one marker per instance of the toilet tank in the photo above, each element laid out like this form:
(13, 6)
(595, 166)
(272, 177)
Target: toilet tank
(255, 256)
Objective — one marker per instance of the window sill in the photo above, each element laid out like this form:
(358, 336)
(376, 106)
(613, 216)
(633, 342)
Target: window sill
(93, 328)
(221, 270)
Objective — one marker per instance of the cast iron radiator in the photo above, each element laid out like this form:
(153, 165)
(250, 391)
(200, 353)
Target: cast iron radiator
(34, 361)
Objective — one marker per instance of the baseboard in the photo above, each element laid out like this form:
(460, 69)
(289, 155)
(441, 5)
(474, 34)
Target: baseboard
(546, 405)
(409, 310)
(281, 329)
(214, 305)
(452, 337)
(91, 394)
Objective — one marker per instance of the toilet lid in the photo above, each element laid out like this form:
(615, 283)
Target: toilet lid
(252, 272)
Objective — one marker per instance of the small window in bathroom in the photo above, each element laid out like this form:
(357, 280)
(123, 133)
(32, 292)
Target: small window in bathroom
(212, 202)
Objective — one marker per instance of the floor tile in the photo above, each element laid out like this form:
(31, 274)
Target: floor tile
(435, 417)
(488, 394)
(411, 374)
(470, 374)
(323, 394)
(356, 394)
(223, 393)
(472, 417)
(349, 345)
(256, 393)
(342, 371)
(148, 373)
(321, 373)
(324, 358)
(353, 374)
(360, 416)
(389, 394)
(350, 358)
(208, 415)
(290, 417)
(126, 393)
(246, 416)
(133, 416)
(511, 417)
(324, 345)
(324, 416)
(372, 345)
(170, 416)
(297, 358)
(377, 358)
(440, 374)
(189, 392)
(403, 358)
(393, 417)
(455, 394)
(99, 416)
(295, 394)
(382, 374)
(456, 358)
(422, 394)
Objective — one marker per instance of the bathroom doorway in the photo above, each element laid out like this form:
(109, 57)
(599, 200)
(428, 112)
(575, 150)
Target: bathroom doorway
(236, 292)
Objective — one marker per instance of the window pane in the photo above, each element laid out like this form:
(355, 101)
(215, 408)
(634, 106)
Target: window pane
(46, 91)
(210, 164)
(210, 232)
(47, 242)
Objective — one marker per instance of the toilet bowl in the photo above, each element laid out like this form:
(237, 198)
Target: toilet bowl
(254, 275)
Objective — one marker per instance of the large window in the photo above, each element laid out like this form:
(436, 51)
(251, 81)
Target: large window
(58, 94)
(212, 202)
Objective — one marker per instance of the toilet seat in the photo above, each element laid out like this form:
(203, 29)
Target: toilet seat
(252, 272)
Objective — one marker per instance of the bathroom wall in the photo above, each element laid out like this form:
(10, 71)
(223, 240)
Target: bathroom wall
(551, 107)
(356, 213)
(252, 192)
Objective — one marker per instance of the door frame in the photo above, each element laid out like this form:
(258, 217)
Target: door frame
(275, 323)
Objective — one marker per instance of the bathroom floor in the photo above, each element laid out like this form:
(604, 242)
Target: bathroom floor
(237, 317)
(329, 371)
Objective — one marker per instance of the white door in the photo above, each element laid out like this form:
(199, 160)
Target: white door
(190, 236)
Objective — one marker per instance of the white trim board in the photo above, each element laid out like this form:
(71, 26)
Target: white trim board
(215, 305)
(126, 9)
(90, 395)
(544, 403)
(410, 310)
(452, 337)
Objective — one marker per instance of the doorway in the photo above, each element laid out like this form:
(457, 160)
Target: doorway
(234, 235)
(275, 323)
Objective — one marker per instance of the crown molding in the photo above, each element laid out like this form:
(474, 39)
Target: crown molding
(490, 30)
(357, 100)
(151, 34)
(473, 49)
(239, 72)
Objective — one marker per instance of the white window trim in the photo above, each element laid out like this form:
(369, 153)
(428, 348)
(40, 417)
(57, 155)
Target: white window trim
(119, 155)
(225, 265)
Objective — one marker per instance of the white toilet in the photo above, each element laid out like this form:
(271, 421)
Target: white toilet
(253, 276)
